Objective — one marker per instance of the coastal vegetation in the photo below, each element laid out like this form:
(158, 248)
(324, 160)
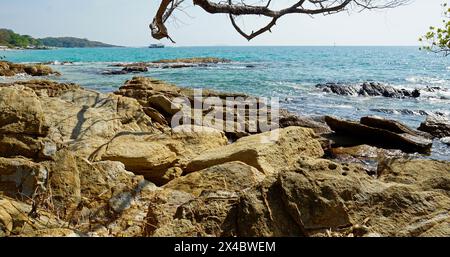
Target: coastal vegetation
(437, 39)
(11, 39)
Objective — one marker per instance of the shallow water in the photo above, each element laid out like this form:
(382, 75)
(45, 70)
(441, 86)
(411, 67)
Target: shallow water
(289, 73)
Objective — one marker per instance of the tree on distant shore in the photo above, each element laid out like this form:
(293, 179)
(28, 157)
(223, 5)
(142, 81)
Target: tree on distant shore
(437, 39)
(273, 10)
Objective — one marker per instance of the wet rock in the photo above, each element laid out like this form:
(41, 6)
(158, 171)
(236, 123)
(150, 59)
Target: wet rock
(368, 89)
(355, 133)
(437, 126)
(266, 152)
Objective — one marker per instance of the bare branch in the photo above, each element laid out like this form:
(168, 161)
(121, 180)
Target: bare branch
(241, 8)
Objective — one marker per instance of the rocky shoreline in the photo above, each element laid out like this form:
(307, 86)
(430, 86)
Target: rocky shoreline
(75, 162)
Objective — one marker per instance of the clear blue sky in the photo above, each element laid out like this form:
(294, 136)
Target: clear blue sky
(125, 22)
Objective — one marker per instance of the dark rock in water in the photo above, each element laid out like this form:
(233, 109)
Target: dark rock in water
(377, 89)
(250, 66)
(339, 89)
(437, 126)
(115, 72)
(195, 60)
(354, 133)
(392, 125)
(177, 66)
(127, 70)
(368, 89)
(434, 89)
(58, 63)
(135, 69)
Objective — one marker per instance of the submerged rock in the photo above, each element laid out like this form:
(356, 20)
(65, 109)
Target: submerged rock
(127, 70)
(406, 112)
(194, 60)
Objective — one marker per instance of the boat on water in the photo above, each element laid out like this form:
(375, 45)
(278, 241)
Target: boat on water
(156, 46)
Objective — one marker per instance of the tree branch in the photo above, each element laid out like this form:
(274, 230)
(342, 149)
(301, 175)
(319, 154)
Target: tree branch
(241, 8)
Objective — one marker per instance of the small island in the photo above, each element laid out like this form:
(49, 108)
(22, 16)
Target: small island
(11, 40)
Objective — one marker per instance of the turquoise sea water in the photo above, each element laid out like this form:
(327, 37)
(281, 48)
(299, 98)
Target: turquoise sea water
(289, 73)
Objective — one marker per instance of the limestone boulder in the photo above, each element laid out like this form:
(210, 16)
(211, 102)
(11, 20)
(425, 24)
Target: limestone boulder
(19, 219)
(85, 120)
(319, 196)
(266, 152)
(211, 214)
(163, 205)
(45, 87)
(11, 69)
(231, 176)
(154, 155)
(64, 184)
(22, 179)
(21, 112)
